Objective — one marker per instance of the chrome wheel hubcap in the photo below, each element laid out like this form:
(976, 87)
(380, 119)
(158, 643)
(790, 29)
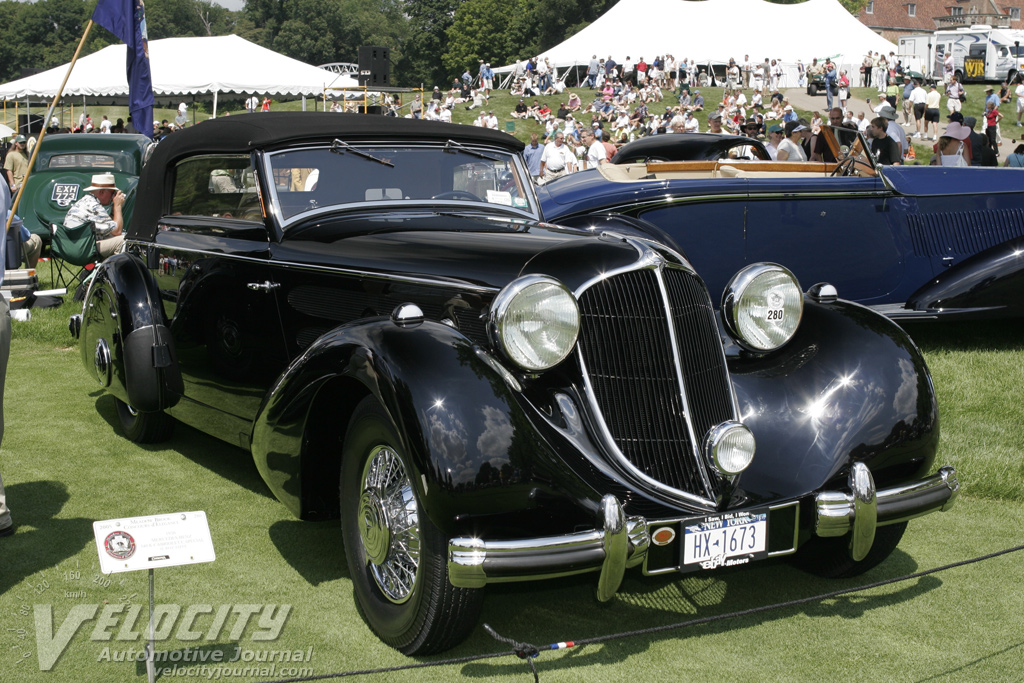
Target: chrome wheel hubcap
(389, 524)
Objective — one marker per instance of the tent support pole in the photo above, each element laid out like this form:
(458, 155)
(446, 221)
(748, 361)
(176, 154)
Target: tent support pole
(215, 93)
(42, 133)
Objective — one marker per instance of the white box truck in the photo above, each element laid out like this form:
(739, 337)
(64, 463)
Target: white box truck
(914, 53)
(980, 53)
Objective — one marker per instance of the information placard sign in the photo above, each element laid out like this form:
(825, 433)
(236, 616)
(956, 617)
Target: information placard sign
(134, 543)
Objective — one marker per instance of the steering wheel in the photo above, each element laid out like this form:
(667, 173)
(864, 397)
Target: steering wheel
(458, 194)
(844, 167)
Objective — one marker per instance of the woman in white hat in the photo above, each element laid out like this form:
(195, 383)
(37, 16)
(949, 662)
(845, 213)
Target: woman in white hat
(951, 150)
(93, 208)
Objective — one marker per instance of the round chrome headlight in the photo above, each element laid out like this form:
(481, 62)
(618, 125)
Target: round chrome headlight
(762, 305)
(730, 447)
(535, 321)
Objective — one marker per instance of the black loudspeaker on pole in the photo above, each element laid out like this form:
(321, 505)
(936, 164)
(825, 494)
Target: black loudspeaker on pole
(374, 66)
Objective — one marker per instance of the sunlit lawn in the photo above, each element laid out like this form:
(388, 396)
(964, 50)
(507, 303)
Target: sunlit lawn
(65, 465)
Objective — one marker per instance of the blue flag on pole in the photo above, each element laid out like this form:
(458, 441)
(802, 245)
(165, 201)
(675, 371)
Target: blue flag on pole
(126, 19)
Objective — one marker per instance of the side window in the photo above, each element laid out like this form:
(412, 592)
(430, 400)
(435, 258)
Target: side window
(221, 186)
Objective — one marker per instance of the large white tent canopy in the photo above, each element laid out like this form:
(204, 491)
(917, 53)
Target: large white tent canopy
(185, 66)
(713, 31)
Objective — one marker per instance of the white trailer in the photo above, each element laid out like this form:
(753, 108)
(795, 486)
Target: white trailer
(980, 53)
(915, 53)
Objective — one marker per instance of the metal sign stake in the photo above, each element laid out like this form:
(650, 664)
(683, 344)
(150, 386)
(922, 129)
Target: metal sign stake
(151, 648)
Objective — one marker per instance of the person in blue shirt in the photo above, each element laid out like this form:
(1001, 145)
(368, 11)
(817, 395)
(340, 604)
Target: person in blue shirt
(831, 78)
(1015, 159)
(532, 154)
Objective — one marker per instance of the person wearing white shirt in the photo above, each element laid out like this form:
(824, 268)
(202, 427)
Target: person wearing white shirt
(789, 146)
(862, 122)
(1019, 92)
(918, 98)
(931, 111)
(596, 154)
(775, 135)
(692, 125)
(557, 159)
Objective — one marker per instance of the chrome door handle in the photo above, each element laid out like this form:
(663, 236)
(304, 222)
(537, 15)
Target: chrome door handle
(266, 287)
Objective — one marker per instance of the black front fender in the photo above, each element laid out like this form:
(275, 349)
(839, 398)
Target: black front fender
(988, 284)
(850, 386)
(471, 439)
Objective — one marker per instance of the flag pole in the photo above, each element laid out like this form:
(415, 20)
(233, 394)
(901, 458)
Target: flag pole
(46, 121)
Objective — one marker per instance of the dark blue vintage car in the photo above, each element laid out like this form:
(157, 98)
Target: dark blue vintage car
(916, 242)
(372, 308)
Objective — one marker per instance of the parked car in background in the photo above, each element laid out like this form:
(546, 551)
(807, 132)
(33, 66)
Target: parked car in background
(373, 309)
(816, 83)
(914, 242)
(690, 147)
(65, 165)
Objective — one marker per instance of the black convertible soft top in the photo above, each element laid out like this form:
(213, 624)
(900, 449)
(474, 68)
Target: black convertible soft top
(271, 130)
(274, 130)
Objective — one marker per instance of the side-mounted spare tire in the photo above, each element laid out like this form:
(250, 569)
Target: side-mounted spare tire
(139, 427)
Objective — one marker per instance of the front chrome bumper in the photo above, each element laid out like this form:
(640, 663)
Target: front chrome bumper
(622, 542)
(864, 508)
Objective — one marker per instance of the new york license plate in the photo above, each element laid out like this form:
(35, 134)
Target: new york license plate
(725, 539)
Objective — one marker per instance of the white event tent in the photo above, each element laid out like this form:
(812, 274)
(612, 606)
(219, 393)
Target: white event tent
(713, 31)
(185, 66)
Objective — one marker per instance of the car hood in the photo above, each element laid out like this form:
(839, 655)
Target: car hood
(471, 250)
(928, 181)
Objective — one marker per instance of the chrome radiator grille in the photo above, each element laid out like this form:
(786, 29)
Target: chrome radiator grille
(627, 351)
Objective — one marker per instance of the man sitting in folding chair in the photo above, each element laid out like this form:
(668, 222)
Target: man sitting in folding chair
(101, 207)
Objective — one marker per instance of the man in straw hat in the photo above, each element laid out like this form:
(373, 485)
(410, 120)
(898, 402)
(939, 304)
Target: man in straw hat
(102, 207)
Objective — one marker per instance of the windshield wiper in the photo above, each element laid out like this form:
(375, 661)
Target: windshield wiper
(340, 147)
(451, 147)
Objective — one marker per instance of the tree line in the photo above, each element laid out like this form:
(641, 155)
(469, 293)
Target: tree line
(431, 41)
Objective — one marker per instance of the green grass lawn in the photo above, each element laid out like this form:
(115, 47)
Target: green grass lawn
(65, 465)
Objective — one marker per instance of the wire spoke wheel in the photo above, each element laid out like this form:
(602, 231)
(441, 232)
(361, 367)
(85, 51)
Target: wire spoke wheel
(397, 558)
(389, 524)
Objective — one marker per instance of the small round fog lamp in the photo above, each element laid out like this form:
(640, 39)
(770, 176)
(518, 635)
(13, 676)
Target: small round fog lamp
(730, 447)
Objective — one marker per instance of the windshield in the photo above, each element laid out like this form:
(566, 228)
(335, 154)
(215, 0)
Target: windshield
(352, 174)
(88, 160)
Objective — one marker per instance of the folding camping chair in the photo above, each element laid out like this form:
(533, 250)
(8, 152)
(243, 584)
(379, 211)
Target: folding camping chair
(73, 251)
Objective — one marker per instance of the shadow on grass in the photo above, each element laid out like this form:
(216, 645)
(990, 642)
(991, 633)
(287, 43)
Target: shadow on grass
(41, 541)
(313, 549)
(566, 609)
(230, 462)
(962, 672)
(975, 335)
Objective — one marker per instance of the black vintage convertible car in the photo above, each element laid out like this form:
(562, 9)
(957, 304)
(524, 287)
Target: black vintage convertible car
(691, 147)
(373, 309)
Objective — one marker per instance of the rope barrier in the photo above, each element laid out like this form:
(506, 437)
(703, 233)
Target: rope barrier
(529, 652)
